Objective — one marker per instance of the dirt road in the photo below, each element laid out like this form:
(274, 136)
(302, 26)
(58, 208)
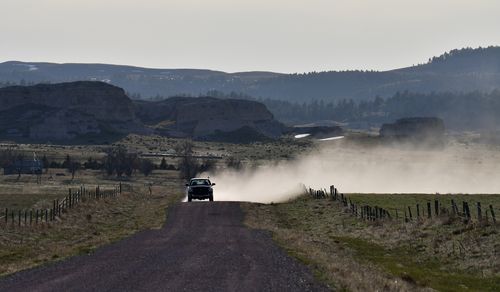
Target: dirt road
(203, 247)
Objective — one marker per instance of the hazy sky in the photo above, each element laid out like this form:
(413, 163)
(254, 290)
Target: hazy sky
(234, 35)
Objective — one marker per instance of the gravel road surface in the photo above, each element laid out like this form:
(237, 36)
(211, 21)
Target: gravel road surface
(203, 247)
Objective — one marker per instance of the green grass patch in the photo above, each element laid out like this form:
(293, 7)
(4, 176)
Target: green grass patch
(401, 262)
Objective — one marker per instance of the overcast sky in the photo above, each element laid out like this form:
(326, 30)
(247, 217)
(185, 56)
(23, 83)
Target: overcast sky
(235, 35)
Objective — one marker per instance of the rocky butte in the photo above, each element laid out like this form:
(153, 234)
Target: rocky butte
(208, 118)
(427, 130)
(86, 111)
(65, 111)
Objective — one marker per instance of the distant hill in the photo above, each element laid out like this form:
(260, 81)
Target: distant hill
(87, 111)
(456, 71)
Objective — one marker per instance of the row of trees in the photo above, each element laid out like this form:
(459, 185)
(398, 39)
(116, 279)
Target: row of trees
(117, 161)
(460, 111)
(22, 82)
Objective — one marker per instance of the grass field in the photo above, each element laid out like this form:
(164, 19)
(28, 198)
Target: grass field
(90, 225)
(352, 254)
(343, 251)
(25, 192)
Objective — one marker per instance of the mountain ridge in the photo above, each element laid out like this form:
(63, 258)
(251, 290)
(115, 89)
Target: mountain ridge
(455, 71)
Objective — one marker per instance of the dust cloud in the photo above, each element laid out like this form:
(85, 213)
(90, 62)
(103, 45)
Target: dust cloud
(457, 168)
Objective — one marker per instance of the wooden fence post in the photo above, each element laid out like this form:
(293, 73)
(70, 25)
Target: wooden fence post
(467, 211)
(429, 210)
(31, 217)
(479, 215)
(436, 207)
(69, 197)
(454, 208)
(409, 213)
(418, 211)
(493, 214)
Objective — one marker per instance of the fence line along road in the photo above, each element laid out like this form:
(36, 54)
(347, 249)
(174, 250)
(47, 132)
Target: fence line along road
(431, 210)
(26, 218)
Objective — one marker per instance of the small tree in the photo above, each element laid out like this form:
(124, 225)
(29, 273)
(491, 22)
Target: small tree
(188, 166)
(67, 162)
(118, 161)
(19, 157)
(73, 167)
(146, 167)
(46, 163)
(7, 157)
(163, 164)
(92, 164)
(233, 163)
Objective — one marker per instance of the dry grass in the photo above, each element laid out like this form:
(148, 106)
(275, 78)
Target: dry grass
(25, 192)
(350, 254)
(276, 150)
(91, 224)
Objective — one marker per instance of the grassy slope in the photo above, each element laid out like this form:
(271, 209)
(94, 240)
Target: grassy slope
(351, 254)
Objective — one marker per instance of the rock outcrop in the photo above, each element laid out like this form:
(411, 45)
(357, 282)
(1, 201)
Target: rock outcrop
(205, 118)
(65, 111)
(417, 128)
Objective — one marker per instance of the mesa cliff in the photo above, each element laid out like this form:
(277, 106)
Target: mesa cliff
(76, 110)
(206, 118)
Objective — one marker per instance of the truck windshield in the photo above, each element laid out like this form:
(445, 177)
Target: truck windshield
(200, 182)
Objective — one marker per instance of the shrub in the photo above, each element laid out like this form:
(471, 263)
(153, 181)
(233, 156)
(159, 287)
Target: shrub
(188, 166)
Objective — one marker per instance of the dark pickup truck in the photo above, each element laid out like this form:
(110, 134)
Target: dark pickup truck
(200, 189)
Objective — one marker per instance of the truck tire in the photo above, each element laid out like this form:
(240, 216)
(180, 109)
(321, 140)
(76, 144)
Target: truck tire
(189, 198)
(211, 198)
